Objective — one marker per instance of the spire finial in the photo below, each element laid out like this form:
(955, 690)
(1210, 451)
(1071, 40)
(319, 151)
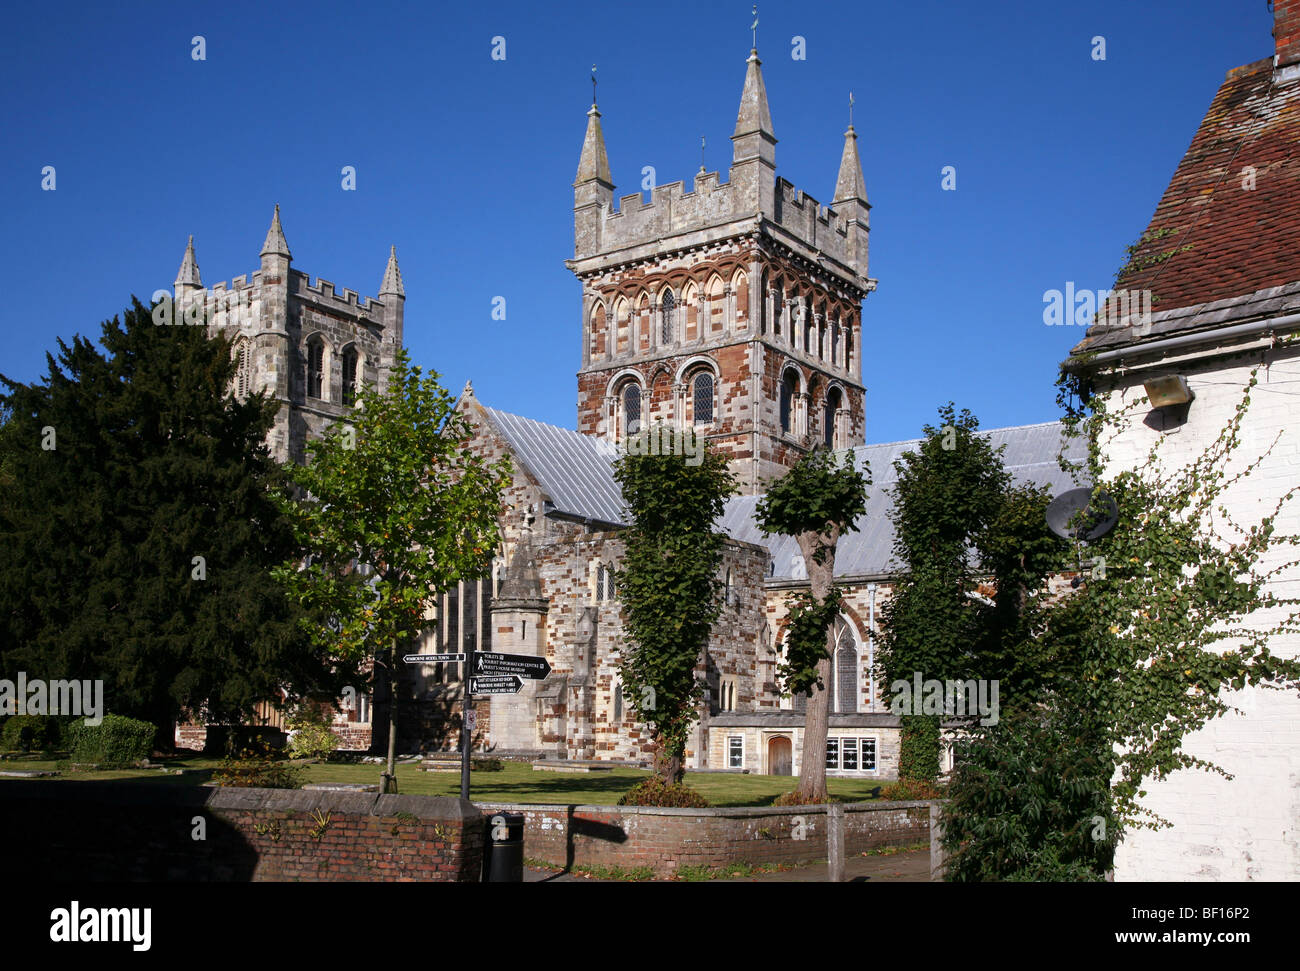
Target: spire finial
(593, 85)
(754, 28)
(850, 110)
(275, 244)
(701, 154)
(392, 282)
(188, 275)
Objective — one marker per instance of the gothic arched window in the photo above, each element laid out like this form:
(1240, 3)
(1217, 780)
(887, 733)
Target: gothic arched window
(349, 376)
(702, 398)
(845, 677)
(631, 408)
(789, 388)
(243, 369)
(666, 307)
(315, 367)
(829, 420)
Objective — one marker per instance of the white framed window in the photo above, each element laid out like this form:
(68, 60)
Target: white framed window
(849, 754)
(736, 751)
(832, 753)
(868, 754)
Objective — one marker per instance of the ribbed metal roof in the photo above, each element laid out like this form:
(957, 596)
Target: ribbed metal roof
(1030, 456)
(576, 472)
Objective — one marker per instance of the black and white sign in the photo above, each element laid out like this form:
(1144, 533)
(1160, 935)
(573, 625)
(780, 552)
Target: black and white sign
(527, 666)
(495, 684)
(433, 658)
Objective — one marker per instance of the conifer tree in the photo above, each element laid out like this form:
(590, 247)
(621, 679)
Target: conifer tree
(138, 530)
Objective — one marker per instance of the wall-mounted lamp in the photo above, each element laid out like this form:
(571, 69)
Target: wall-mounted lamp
(1172, 389)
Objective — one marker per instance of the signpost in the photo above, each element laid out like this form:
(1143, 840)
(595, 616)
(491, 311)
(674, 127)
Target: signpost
(486, 673)
(493, 684)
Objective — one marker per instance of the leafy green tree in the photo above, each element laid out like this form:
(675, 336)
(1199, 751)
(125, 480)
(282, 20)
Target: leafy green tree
(1028, 799)
(395, 509)
(948, 493)
(139, 530)
(816, 502)
(669, 589)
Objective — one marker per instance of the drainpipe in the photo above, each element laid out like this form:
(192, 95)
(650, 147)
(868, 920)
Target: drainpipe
(871, 644)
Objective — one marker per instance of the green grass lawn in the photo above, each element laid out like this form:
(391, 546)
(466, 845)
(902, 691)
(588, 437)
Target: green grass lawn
(516, 782)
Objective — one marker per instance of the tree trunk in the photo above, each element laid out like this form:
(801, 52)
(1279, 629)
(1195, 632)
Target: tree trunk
(388, 781)
(669, 766)
(818, 551)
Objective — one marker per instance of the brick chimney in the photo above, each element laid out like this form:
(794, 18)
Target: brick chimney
(1286, 31)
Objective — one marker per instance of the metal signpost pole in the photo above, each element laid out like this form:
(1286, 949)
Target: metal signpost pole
(466, 732)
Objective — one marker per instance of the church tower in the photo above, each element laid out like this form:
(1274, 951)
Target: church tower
(733, 308)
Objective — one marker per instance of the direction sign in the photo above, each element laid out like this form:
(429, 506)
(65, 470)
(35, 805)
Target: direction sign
(525, 665)
(492, 684)
(432, 658)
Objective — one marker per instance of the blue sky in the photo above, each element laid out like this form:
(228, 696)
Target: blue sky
(466, 163)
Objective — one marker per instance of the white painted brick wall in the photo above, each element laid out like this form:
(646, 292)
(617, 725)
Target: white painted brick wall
(1247, 828)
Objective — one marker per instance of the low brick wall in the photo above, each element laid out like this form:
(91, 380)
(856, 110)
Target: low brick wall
(141, 831)
(665, 839)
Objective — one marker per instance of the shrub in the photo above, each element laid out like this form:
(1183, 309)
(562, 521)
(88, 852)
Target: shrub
(309, 734)
(116, 742)
(655, 792)
(910, 790)
(27, 733)
(487, 765)
(795, 799)
(257, 768)
(1030, 800)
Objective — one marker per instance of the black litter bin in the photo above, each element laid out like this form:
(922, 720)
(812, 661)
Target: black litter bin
(503, 851)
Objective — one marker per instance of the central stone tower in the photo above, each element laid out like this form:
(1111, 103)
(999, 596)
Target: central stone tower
(734, 308)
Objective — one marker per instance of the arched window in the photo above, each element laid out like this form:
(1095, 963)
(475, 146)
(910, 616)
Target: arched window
(666, 307)
(349, 376)
(243, 369)
(829, 420)
(315, 367)
(618, 703)
(702, 398)
(789, 388)
(845, 676)
(631, 408)
(600, 582)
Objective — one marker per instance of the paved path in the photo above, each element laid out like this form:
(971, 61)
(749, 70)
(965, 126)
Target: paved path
(912, 866)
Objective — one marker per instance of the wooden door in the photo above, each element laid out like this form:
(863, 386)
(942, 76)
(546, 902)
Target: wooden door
(779, 760)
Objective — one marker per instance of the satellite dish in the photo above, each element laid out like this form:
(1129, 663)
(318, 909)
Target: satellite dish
(1081, 516)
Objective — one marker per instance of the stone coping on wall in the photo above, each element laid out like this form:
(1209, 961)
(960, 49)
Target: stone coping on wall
(724, 812)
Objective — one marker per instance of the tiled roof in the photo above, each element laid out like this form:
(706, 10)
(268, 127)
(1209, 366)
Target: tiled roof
(576, 472)
(1212, 239)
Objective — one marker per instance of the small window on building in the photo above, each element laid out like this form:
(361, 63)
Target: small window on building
(702, 398)
(666, 308)
(789, 388)
(736, 752)
(600, 582)
(832, 753)
(315, 367)
(868, 754)
(350, 376)
(849, 754)
(618, 704)
(631, 409)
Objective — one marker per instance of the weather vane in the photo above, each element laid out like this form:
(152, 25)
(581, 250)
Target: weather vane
(593, 84)
(754, 27)
(701, 153)
(850, 109)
